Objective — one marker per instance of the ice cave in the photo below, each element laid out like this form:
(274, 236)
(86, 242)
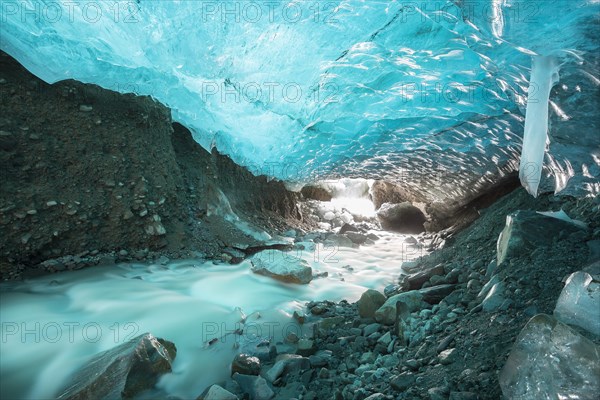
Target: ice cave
(300, 199)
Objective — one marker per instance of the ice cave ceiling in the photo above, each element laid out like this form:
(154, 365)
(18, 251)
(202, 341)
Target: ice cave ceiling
(430, 93)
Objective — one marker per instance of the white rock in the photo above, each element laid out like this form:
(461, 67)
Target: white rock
(329, 215)
(346, 217)
(281, 266)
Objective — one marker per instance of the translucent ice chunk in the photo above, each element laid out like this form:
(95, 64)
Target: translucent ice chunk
(563, 216)
(544, 75)
(551, 361)
(579, 302)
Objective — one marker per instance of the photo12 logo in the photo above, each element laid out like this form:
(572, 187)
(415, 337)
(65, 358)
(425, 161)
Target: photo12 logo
(54, 12)
(228, 91)
(238, 333)
(72, 332)
(474, 11)
(289, 12)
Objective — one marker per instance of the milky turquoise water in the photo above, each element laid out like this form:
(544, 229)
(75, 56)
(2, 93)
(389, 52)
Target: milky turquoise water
(50, 326)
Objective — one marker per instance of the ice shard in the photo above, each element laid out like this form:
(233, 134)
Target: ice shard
(579, 302)
(551, 361)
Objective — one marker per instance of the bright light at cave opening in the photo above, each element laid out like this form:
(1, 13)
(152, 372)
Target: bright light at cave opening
(355, 206)
(352, 195)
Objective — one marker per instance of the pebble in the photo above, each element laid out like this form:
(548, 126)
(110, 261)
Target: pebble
(306, 347)
(445, 343)
(85, 108)
(385, 339)
(448, 356)
(25, 238)
(403, 381)
(292, 338)
(370, 329)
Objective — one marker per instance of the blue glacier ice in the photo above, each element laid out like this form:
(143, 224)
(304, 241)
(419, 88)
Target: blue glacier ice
(429, 93)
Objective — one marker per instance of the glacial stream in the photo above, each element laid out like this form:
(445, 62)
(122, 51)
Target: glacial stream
(51, 326)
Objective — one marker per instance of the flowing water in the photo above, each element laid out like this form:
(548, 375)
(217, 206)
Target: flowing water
(52, 325)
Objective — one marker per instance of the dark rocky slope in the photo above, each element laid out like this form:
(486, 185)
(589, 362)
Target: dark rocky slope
(95, 175)
(454, 343)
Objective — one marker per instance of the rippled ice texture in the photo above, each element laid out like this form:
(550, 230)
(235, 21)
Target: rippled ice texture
(401, 90)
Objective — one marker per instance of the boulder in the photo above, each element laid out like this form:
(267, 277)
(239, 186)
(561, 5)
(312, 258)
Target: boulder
(357, 238)
(245, 365)
(306, 347)
(386, 192)
(435, 294)
(122, 372)
(402, 218)
(369, 302)
(281, 266)
(315, 193)
(415, 281)
(335, 240)
(320, 359)
(254, 386)
(527, 230)
(216, 392)
(285, 364)
(347, 228)
(403, 381)
(549, 360)
(386, 314)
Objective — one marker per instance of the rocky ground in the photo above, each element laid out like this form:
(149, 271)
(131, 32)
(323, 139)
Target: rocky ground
(444, 331)
(91, 176)
(448, 339)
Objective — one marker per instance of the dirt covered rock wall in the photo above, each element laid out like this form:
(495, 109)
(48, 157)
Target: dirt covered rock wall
(88, 171)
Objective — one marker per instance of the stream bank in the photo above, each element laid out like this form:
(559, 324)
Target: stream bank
(109, 178)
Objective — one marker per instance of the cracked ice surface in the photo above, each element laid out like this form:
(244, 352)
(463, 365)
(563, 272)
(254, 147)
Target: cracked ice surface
(432, 94)
(551, 361)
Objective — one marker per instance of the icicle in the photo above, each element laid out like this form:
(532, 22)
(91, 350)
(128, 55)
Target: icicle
(544, 75)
